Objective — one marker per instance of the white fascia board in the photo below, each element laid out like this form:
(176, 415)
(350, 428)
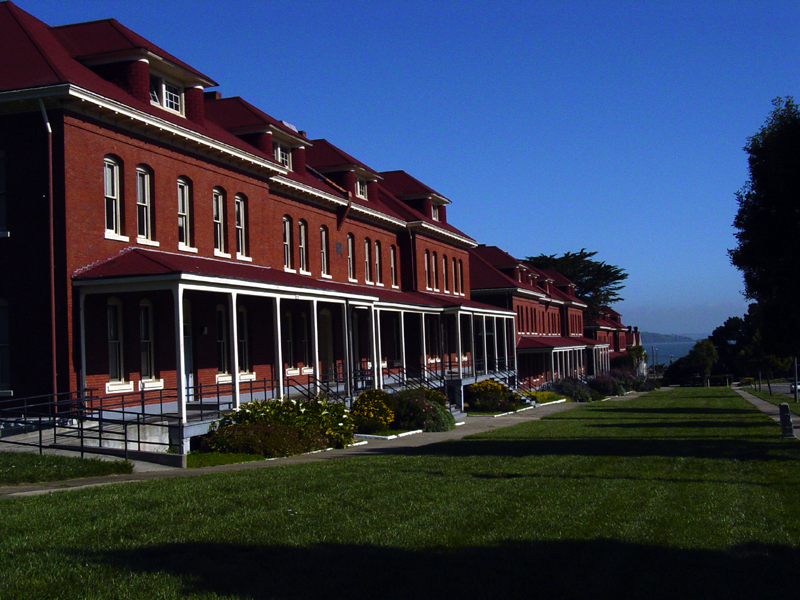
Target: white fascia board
(434, 231)
(213, 284)
(408, 307)
(358, 209)
(483, 311)
(84, 95)
(509, 290)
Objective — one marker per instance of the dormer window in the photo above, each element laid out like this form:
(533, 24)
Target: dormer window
(282, 154)
(166, 94)
(435, 212)
(361, 188)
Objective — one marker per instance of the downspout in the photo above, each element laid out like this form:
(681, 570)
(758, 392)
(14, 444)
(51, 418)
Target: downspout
(54, 372)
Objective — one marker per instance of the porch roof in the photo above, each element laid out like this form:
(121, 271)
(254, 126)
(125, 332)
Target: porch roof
(137, 263)
(535, 342)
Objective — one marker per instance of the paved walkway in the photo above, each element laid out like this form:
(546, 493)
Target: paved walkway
(147, 471)
(769, 409)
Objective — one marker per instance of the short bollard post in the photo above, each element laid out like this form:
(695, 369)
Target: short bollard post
(787, 428)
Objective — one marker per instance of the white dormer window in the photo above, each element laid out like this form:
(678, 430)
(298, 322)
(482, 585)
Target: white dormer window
(166, 94)
(435, 212)
(282, 154)
(361, 188)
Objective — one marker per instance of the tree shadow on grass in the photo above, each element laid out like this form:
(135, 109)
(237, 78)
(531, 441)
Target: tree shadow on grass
(694, 424)
(511, 569)
(612, 447)
(678, 410)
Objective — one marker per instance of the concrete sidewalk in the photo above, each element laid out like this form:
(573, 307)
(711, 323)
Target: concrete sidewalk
(147, 471)
(769, 409)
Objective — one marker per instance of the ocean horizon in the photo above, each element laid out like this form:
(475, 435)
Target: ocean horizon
(667, 352)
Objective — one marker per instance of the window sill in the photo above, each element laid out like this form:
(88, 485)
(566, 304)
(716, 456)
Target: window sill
(351, 280)
(379, 284)
(220, 254)
(302, 272)
(291, 372)
(6, 393)
(224, 378)
(146, 242)
(183, 248)
(151, 384)
(370, 282)
(119, 387)
(324, 276)
(111, 235)
(5, 234)
(244, 257)
(288, 270)
(247, 376)
(395, 287)
(307, 370)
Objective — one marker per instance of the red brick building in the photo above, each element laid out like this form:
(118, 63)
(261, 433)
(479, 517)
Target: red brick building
(164, 244)
(549, 333)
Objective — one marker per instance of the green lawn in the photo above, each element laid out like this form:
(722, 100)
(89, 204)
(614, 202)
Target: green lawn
(687, 493)
(776, 399)
(27, 467)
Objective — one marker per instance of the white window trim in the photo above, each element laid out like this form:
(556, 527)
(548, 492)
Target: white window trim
(218, 215)
(244, 258)
(110, 235)
(282, 154)
(240, 216)
(147, 242)
(119, 387)
(151, 384)
(161, 93)
(362, 191)
(185, 191)
(292, 371)
(223, 378)
(116, 231)
(325, 276)
(220, 254)
(187, 249)
(247, 376)
(306, 370)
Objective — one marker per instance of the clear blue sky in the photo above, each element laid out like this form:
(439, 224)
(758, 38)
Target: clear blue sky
(552, 126)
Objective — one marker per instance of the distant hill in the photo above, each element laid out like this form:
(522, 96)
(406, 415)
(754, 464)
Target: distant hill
(664, 338)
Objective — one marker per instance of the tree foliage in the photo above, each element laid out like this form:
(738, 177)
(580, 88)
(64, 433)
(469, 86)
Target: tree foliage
(768, 226)
(596, 282)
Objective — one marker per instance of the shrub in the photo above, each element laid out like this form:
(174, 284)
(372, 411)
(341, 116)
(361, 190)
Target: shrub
(606, 385)
(414, 410)
(373, 411)
(436, 396)
(490, 396)
(573, 389)
(268, 437)
(310, 420)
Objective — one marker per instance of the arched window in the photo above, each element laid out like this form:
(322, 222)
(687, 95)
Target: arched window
(325, 266)
(367, 260)
(115, 358)
(287, 242)
(147, 366)
(455, 277)
(222, 340)
(351, 258)
(445, 280)
(303, 246)
(378, 267)
(435, 272)
(393, 264)
(5, 347)
(460, 277)
(112, 176)
(427, 270)
(240, 204)
(218, 202)
(184, 213)
(144, 203)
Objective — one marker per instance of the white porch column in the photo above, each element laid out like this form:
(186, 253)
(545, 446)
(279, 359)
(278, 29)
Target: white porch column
(234, 324)
(424, 348)
(403, 343)
(458, 344)
(348, 352)
(278, 347)
(315, 346)
(485, 347)
(82, 311)
(180, 376)
(376, 361)
(472, 343)
(378, 349)
(552, 365)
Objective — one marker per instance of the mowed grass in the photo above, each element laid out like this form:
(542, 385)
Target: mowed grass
(26, 467)
(687, 493)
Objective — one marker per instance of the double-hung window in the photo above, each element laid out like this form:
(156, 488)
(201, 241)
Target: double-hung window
(435, 212)
(144, 204)
(218, 202)
(184, 214)
(113, 197)
(241, 335)
(393, 264)
(367, 260)
(287, 242)
(115, 365)
(325, 267)
(222, 340)
(361, 189)
(303, 246)
(378, 266)
(240, 203)
(427, 269)
(351, 259)
(435, 272)
(445, 281)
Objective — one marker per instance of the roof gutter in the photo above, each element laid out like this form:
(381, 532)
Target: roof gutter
(51, 257)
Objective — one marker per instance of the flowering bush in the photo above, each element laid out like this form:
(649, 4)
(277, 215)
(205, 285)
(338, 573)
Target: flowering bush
(606, 385)
(542, 397)
(414, 410)
(292, 426)
(490, 396)
(372, 411)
